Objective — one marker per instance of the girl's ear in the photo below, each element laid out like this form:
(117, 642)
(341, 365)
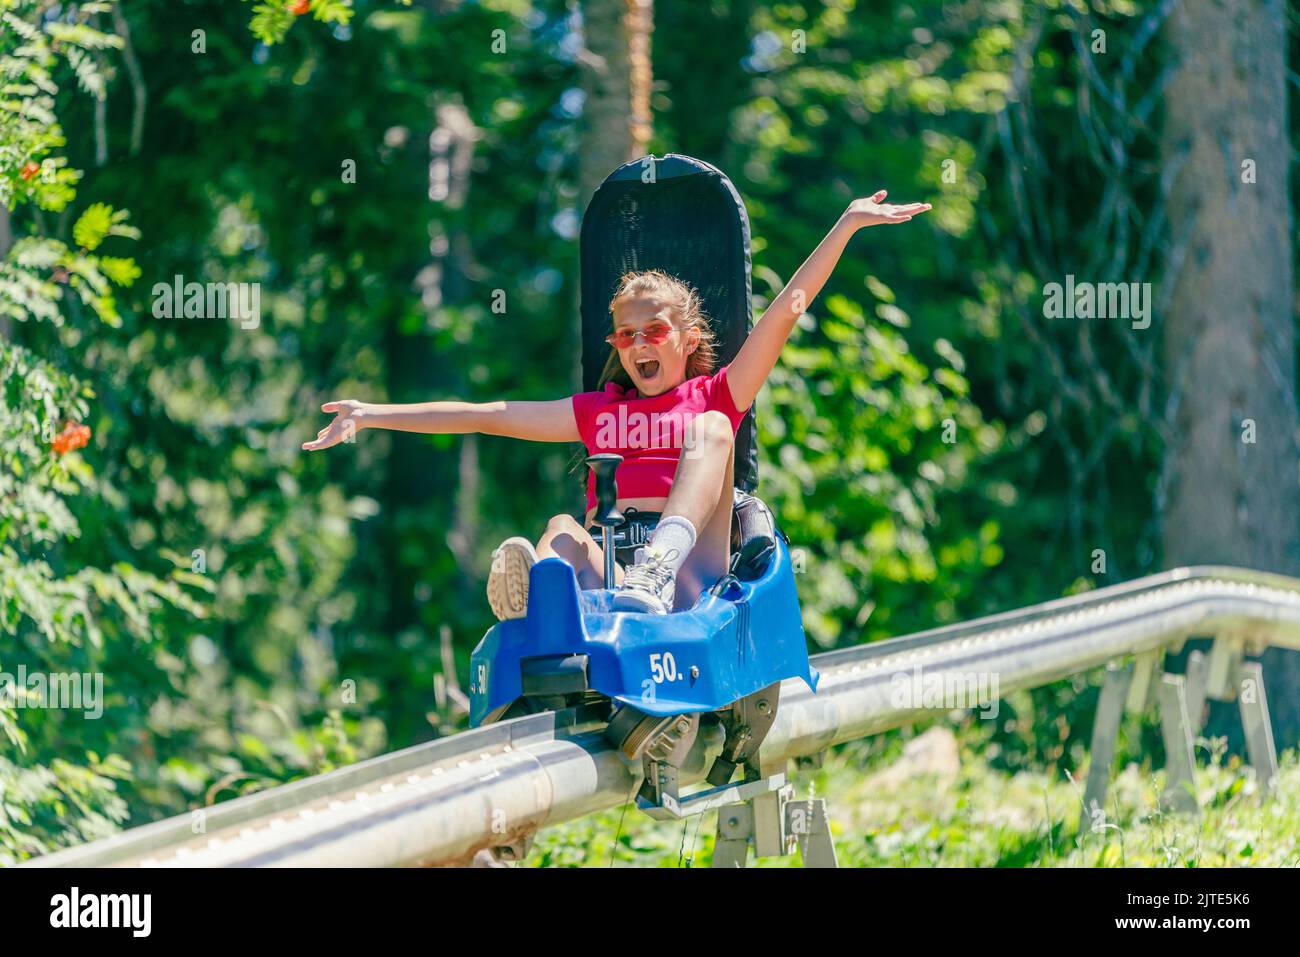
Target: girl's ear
(692, 339)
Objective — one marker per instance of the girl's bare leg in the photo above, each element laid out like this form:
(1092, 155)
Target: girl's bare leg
(702, 493)
(512, 562)
(566, 538)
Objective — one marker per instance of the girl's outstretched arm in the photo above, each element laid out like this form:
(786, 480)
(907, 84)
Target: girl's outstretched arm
(550, 421)
(752, 365)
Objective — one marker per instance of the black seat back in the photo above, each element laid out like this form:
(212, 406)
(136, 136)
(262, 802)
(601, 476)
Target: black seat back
(689, 221)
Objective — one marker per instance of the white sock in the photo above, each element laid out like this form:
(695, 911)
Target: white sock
(673, 534)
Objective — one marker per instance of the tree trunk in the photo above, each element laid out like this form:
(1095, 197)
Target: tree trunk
(616, 119)
(1229, 338)
(616, 78)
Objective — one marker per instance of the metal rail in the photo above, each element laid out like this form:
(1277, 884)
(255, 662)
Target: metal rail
(438, 803)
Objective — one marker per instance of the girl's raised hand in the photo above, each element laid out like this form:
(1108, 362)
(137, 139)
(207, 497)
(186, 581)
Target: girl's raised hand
(344, 428)
(872, 211)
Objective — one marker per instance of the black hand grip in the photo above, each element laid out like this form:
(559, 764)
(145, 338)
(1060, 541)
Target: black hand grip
(605, 465)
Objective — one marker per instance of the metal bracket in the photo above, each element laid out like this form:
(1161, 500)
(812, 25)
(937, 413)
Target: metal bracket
(771, 837)
(746, 723)
(735, 827)
(810, 823)
(662, 759)
(776, 825)
(672, 807)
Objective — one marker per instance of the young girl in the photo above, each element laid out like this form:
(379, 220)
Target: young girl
(663, 408)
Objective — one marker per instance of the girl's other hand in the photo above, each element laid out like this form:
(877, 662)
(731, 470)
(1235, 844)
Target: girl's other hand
(872, 211)
(344, 428)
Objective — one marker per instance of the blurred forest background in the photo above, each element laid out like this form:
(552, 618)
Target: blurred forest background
(386, 171)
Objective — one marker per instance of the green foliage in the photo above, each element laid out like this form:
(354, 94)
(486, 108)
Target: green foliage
(272, 20)
(46, 807)
(869, 458)
(97, 223)
(54, 620)
(31, 46)
(57, 616)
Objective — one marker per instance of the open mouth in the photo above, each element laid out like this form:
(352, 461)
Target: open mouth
(647, 368)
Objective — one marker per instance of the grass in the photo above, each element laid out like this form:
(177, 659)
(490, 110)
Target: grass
(968, 814)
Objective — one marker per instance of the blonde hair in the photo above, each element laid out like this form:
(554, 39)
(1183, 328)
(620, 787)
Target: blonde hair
(687, 311)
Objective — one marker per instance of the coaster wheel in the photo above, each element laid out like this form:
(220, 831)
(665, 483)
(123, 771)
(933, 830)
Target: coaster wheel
(633, 732)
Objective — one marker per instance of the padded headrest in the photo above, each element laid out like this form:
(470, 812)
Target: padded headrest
(753, 536)
(689, 221)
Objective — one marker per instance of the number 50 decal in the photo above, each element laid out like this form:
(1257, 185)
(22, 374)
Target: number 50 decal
(663, 667)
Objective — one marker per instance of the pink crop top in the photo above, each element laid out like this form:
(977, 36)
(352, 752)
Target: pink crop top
(647, 432)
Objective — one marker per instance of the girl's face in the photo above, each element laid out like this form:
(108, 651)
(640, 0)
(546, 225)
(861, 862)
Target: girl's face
(654, 368)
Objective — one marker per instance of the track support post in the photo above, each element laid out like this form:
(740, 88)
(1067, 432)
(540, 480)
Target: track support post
(1179, 762)
(1105, 737)
(1197, 673)
(1253, 703)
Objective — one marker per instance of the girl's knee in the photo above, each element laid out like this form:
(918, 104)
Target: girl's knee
(564, 525)
(565, 538)
(712, 429)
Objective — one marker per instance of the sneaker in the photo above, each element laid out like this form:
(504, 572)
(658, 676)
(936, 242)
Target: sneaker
(648, 586)
(507, 586)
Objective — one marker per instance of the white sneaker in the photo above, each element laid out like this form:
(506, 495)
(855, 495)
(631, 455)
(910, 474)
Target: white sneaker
(507, 586)
(648, 586)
